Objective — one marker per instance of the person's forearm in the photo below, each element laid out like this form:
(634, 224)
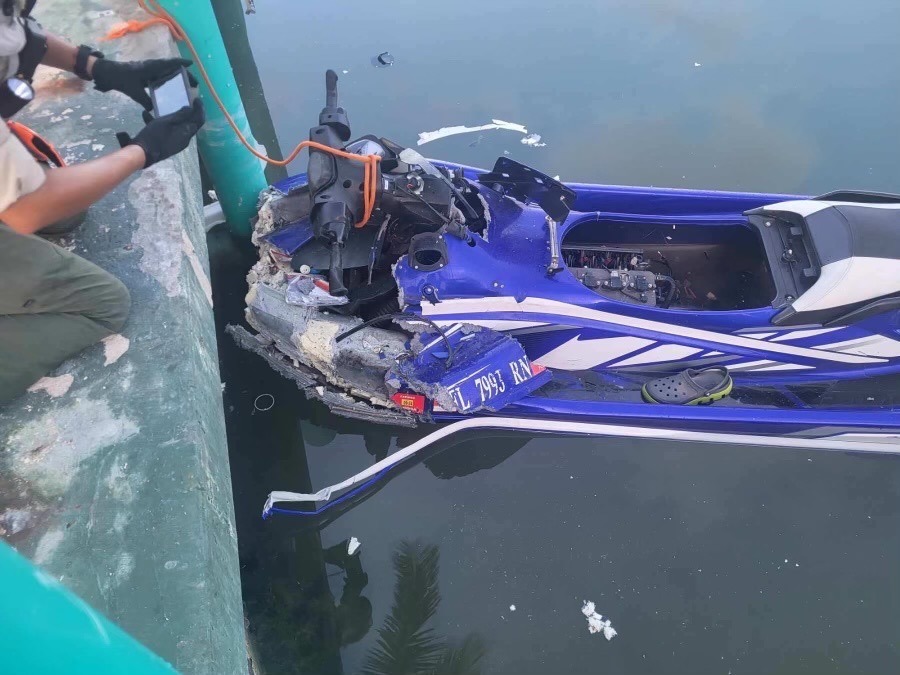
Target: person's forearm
(72, 189)
(60, 54)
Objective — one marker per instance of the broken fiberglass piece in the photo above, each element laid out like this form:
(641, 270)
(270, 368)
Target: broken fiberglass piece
(312, 292)
(291, 237)
(467, 369)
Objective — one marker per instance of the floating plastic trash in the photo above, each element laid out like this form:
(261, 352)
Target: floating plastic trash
(383, 60)
(443, 132)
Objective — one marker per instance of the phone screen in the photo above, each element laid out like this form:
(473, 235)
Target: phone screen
(171, 95)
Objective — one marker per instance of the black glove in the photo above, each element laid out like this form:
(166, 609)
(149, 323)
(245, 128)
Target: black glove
(133, 77)
(167, 135)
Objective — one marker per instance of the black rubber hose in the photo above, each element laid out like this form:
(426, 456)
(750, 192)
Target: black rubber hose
(671, 293)
(336, 271)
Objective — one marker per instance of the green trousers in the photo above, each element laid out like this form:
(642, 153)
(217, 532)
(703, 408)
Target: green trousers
(53, 304)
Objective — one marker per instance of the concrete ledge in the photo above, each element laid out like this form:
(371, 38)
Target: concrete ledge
(116, 479)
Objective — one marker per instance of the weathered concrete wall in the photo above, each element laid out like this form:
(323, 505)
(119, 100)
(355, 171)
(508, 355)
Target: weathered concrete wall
(116, 480)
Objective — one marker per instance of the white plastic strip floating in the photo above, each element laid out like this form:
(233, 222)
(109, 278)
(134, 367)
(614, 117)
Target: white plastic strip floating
(879, 444)
(443, 132)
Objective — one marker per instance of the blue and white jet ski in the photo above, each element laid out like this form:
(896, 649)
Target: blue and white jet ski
(509, 294)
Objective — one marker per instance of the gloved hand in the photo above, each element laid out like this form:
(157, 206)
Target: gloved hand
(133, 77)
(167, 135)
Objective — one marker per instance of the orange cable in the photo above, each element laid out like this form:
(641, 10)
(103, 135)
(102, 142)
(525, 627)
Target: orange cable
(370, 162)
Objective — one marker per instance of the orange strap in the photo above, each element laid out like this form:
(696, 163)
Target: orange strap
(370, 176)
(132, 26)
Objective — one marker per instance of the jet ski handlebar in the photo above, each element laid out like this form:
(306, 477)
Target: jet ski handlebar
(348, 182)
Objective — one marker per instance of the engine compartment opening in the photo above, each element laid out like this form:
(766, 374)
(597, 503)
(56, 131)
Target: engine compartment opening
(706, 267)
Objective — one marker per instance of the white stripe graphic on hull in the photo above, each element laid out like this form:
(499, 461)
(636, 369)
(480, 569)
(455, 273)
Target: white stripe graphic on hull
(870, 345)
(578, 354)
(447, 309)
(799, 334)
(659, 354)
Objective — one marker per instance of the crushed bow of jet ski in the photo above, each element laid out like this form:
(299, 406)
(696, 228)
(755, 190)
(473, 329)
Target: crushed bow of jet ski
(508, 293)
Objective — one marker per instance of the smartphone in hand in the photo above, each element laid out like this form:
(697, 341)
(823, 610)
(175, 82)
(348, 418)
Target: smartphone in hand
(171, 94)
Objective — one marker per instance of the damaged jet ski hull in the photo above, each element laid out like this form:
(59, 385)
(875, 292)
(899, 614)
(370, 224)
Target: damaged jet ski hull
(434, 291)
(593, 379)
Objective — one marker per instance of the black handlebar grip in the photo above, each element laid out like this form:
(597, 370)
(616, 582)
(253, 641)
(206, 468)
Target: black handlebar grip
(331, 97)
(336, 271)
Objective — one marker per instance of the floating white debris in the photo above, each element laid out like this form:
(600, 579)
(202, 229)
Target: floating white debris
(556, 177)
(697, 65)
(345, 71)
(534, 140)
(264, 402)
(596, 622)
(443, 132)
(353, 545)
(512, 608)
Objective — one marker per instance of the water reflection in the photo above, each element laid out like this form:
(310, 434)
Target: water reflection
(477, 454)
(406, 643)
(353, 614)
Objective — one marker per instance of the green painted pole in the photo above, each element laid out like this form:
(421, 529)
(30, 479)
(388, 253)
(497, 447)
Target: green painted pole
(237, 175)
(48, 630)
(233, 25)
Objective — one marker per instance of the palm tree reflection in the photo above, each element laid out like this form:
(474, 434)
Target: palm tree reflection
(406, 646)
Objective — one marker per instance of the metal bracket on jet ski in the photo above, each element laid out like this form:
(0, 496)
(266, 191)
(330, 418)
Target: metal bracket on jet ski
(554, 265)
(528, 185)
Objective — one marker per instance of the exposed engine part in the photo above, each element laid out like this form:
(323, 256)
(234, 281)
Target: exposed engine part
(602, 257)
(634, 286)
(620, 273)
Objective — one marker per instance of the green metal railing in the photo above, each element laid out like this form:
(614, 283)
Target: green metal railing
(237, 175)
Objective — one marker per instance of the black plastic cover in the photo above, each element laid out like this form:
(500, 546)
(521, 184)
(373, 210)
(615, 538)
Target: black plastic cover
(529, 185)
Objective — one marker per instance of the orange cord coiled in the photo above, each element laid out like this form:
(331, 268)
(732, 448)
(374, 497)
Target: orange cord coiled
(370, 175)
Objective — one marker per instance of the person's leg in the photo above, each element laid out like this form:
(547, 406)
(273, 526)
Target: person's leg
(53, 304)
